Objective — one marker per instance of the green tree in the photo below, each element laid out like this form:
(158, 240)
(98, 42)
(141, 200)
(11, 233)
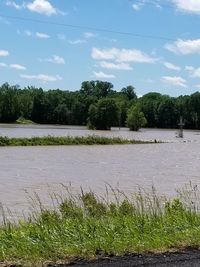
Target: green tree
(135, 118)
(100, 89)
(104, 114)
(62, 114)
(129, 92)
(92, 117)
(149, 104)
(167, 113)
(195, 110)
(40, 105)
(9, 104)
(25, 101)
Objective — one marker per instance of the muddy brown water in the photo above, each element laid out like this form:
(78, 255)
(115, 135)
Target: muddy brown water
(42, 170)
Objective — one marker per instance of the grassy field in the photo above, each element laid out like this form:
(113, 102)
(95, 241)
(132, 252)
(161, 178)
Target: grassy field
(89, 227)
(68, 140)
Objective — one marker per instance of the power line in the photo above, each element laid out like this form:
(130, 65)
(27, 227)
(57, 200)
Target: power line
(87, 28)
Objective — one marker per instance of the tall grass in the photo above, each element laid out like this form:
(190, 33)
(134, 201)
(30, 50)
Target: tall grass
(68, 140)
(86, 226)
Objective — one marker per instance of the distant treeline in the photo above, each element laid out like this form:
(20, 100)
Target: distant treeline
(98, 105)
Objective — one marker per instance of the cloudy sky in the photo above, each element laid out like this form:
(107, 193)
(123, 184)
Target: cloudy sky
(153, 45)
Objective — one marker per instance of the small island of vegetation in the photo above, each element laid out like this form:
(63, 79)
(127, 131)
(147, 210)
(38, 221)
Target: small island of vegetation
(68, 140)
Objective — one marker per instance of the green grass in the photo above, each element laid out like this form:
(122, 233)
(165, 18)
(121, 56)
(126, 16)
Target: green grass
(86, 226)
(68, 140)
(22, 120)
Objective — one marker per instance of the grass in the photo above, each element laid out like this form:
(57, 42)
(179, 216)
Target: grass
(68, 140)
(87, 226)
(22, 120)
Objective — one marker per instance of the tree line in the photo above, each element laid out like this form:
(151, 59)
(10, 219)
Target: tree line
(99, 106)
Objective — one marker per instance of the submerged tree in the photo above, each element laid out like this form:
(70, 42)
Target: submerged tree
(104, 114)
(135, 118)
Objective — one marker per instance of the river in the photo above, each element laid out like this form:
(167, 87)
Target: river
(16, 130)
(166, 166)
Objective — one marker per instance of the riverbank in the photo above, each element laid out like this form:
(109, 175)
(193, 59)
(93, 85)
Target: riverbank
(68, 140)
(84, 228)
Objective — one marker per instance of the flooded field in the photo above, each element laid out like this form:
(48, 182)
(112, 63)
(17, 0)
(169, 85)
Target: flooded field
(16, 130)
(41, 169)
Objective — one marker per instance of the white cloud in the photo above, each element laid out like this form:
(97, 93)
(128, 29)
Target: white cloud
(56, 59)
(17, 67)
(75, 42)
(41, 35)
(139, 4)
(188, 6)
(189, 68)
(42, 7)
(102, 75)
(12, 66)
(88, 35)
(171, 66)
(4, 53)
(137, 7)
(3, 65)
(184, 47)
(175, 81)
(196, 73)
(42, 77)
(115, 66)
(122, 55)
(28, 33)
(15, 5)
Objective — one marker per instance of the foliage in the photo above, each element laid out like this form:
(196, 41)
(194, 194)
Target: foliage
(9, 103)
(135, 118)
(98, 89)
(68, 140)
(167, 113)
(104, 114)
(21, 120)
(82, 225)
(149, 104)
(129, 92)
(90, 105)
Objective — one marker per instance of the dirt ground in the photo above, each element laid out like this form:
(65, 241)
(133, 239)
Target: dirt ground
(186, 258)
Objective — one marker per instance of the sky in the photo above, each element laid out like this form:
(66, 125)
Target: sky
(153, 45)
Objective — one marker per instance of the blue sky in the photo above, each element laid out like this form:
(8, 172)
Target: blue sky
(56, 55)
